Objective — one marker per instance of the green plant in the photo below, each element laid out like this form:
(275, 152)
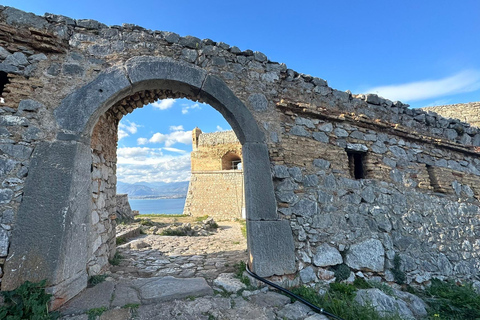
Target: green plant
(95, 312)
(239, 269)
(243, 228)
(449, 300)
(96, 279)
(131, 306)
(173, 232)
(342, 272)
(115, 261)
(29, 301)
(202, 218)
(398, 274)
(339, 300)
(120, 241)
(162, 215)
(147, 223)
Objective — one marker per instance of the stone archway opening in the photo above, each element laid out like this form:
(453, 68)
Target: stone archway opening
(188, 246)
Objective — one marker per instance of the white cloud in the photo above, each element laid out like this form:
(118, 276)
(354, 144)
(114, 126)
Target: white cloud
(128, 126)
(158, 138)
(175, 150)
(142, 141)
(465, 81)
(176, 128)
(163, 104)
(150, 164)
(171, 138)
(125, 127)
(187, 107)
(220, 128)
(122, 134)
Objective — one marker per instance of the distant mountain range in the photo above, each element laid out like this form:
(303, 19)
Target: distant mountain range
(152, 190)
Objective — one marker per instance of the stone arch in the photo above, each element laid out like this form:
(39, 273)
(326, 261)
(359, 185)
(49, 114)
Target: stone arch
(56, 204)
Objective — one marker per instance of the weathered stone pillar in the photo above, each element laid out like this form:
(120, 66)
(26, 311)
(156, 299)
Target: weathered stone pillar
(50, 236)
(270, 241)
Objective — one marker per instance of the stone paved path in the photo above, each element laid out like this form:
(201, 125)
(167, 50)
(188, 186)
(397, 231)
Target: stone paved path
(183, 257)
(165, 277)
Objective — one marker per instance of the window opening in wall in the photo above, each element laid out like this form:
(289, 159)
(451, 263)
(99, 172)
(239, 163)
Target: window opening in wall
(433, 179)
(356, 164)
(171, 172)
(231, 161)
(3, 81)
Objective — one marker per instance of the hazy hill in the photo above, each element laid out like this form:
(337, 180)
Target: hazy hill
(153, 189)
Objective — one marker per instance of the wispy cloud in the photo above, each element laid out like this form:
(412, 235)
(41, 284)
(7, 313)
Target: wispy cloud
(220, 128)
(187, 107)
(142, 141)
(175, 150)
(163, 104)
(465, 81)
(176, 128)
(136, 164)
(125, 128)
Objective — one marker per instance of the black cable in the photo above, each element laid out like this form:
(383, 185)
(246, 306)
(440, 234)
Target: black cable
(276, 286)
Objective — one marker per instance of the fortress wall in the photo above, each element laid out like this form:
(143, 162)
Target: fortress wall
(467, 112)
(217, 194)
(418, 199)
(208, 157)
(213, 191)
(216, 138)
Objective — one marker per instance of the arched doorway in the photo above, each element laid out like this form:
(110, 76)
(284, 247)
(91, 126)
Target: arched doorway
(55, 212)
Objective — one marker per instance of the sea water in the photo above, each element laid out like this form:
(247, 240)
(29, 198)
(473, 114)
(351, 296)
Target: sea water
(159, 206)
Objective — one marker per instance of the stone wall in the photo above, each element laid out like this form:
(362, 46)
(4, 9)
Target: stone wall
(124, 212)
(215, 188)
(468, 112)
(417, 200)
(416, 195)
(217, 194)
(104, 166)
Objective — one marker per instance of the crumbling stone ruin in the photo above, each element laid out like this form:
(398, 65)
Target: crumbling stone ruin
(330, 177)
(468, 112)
(216, 183)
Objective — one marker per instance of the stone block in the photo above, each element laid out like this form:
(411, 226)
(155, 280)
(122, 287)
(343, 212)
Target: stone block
(327, 256)
(78, 112)
(95, 297)
(259, 195)
(153, 290)
(272, 251)
(56, 246)
(366, 255)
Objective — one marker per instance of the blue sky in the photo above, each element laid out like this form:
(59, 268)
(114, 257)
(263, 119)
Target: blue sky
(421, 52)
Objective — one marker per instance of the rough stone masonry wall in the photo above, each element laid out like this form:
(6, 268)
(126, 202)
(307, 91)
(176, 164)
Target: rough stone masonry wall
(364, 223)
(104, 166)
(216, 194)
(333, 216)
(211, 148)
(468, 112)
(213, 191)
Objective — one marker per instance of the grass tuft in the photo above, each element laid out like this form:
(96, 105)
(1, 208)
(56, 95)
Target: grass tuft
(115, 261)
(96, 279)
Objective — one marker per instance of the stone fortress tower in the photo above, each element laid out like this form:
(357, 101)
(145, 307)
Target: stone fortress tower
(216, 186)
